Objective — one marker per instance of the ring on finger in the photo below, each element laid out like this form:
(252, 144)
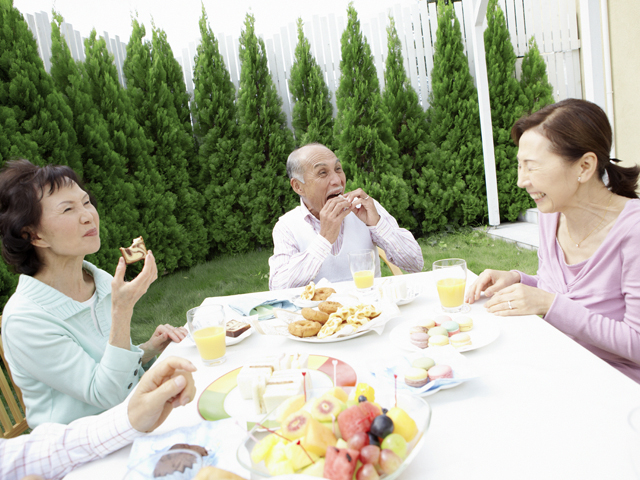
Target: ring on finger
(366, 198)
(509, 303)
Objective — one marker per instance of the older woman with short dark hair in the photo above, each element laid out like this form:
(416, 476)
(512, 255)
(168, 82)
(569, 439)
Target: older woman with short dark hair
(588, 281)
(66, 330)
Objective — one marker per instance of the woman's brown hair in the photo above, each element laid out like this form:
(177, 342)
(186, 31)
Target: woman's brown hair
(22, 186)
(575, 127)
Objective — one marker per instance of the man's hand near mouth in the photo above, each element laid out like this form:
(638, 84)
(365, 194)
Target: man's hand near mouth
(367, 213)
(331, 216)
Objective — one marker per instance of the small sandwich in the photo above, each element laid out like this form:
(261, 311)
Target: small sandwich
(136, 252)
(236, 328)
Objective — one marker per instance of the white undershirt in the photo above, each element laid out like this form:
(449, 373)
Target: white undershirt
(92, 302)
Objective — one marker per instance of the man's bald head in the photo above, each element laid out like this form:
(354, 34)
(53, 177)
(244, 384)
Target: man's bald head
(298, 160)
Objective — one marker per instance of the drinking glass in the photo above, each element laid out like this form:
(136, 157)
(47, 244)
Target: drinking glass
(208, 329)
(634, 439)
(362, 264)
(451, 279)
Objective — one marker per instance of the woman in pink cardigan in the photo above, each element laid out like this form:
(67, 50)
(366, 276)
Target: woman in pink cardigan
(588, 281)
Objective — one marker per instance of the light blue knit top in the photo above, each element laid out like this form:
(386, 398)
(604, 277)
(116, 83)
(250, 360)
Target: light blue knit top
(59, 354)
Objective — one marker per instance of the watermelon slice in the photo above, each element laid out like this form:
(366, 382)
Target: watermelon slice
(357, 418)
(340, 463)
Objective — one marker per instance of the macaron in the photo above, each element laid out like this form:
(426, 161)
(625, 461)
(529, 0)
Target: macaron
(438, 331)
(466, 323)
(419, 339)
(427, 323)
(418, 329)
(451, 327)
(416, 377)
(460, 340)
(438, 340)
(423, 362)
(440, 371)
(440, 319)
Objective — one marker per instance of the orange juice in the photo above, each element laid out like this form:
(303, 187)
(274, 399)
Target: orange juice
(363, 279)
(451, 292)
(210, 342)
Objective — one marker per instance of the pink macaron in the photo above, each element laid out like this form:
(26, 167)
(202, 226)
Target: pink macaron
(419, 339)
(440, 319)
(440, 371)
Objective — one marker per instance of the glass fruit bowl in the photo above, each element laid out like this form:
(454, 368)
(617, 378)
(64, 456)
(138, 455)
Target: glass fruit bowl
(416, 407)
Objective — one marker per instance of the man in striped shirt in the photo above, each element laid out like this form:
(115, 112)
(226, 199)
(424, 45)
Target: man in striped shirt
(313, 240)
(52, 450)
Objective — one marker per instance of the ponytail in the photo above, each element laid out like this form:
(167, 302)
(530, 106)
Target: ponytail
(623, 181)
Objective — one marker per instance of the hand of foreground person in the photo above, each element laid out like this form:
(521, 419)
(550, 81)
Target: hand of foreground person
(519, 299)
(367, 212)
(166, 386)
(490, 282)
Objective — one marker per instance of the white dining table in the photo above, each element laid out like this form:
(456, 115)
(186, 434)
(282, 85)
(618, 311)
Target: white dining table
(541, 406)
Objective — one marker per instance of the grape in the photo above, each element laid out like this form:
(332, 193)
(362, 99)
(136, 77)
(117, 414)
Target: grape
(367, 472)
(373, 440)
(389, 461)
(362, 398)
(358, 440)
(396, 443)
(370, 454)
(381, 426)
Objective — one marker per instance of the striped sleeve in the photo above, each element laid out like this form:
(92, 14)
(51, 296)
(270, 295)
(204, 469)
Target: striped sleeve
(398, 243)
(53, 450)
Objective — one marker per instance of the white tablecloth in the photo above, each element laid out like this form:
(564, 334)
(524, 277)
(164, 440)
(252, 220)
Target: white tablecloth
(542, 407)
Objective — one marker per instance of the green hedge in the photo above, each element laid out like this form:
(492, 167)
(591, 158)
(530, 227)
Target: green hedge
(206, 176)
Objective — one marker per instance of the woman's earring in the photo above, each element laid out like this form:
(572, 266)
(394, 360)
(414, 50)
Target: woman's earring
(579, 178)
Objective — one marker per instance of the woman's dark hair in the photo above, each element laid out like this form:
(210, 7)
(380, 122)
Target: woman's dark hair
(22, 186)
(575, 127)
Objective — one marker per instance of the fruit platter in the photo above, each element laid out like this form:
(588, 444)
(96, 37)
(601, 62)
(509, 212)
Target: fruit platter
(329, 433)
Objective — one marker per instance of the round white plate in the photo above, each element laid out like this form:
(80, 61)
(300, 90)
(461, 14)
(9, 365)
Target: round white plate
(188, 340)
(447, 355)
(328, 339)
(484, 331)
(299, 302)
(410, 298)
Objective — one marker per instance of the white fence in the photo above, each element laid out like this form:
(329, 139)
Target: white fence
(553, 23)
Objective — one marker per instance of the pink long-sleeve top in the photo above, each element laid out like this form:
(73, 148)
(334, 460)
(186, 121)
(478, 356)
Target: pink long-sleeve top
(597, 301)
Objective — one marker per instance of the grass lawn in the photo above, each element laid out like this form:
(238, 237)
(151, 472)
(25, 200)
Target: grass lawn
(169, 297)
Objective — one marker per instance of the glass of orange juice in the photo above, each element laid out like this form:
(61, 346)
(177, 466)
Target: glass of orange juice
(362, 265)
(208, 328)
(451, 279)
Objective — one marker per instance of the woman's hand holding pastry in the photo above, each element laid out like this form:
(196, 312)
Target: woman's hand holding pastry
(490, 282)
(124, 296)
(520, 299)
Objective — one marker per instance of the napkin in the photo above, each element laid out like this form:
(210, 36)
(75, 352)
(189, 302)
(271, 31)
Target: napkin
(220, 438)
(249, 305)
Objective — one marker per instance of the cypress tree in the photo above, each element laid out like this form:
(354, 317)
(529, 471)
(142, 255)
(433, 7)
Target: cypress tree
(451, 189)
(217, 133)
(154, 203)
(312, 111)
(35, 121)
(362, 131)
(535, 85)
(155, 108)
(266, 140)
(104, 169)
(504, 93)
(408, 119)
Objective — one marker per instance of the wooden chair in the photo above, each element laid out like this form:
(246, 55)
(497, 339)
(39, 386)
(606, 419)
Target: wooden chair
(394, 269)
(10, 428)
